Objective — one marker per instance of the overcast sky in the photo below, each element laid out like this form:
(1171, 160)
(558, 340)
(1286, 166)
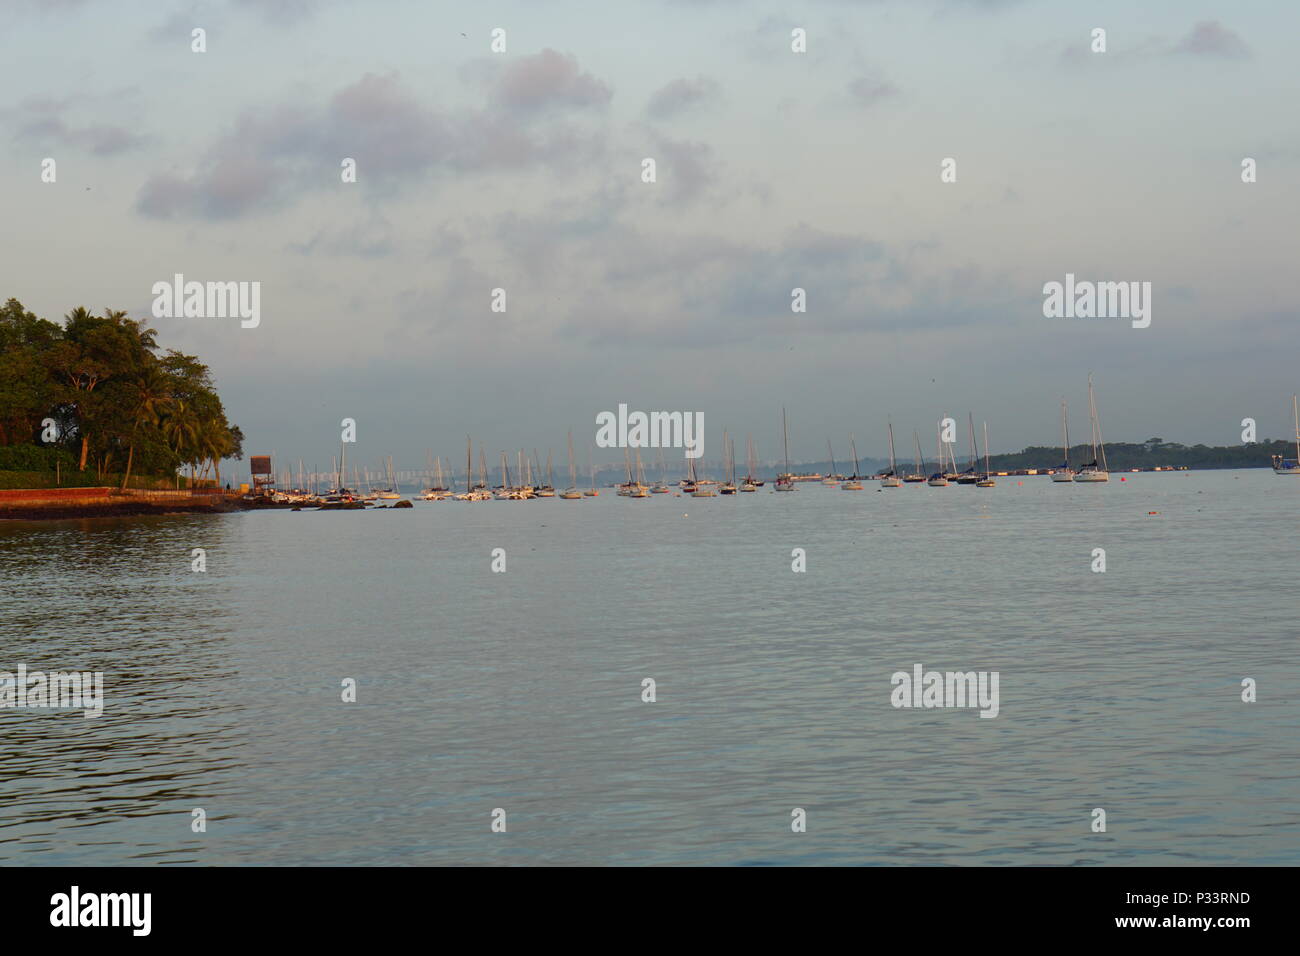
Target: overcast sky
(775, 170)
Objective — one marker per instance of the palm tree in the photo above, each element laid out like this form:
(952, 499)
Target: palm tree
(216, 443)
(181, 428)
(150, 396)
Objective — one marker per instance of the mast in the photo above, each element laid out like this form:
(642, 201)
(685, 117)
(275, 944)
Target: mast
(591, 468)
(785, 440)
(920, 465)
(1295, 411)
(893, 469)
(469, 478)
(1065, 433)
(830, 454)
(854, 446)
(731, 462)
(970, 430)
(987, 472)
(573, 475)
(1096, 427)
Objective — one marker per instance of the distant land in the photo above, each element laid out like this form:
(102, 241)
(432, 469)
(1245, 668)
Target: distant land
(1120, 456)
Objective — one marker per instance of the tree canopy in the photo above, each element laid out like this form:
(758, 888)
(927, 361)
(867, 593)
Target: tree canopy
(115, 402)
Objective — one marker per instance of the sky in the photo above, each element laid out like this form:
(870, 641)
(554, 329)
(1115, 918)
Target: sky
(775, 170)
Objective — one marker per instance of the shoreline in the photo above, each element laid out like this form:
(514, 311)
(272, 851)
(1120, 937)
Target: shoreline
(53, 504)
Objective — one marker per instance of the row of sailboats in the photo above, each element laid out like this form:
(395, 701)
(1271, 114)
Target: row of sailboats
(635, 486)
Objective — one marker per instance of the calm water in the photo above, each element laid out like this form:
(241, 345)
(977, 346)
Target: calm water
(522, 690)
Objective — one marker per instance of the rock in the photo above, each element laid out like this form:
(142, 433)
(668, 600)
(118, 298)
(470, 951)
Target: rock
(403, 504)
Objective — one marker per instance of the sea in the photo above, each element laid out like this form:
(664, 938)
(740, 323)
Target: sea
(668, 681)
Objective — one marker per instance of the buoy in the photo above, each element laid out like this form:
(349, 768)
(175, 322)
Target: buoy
(1122, 478)
(1153, 512)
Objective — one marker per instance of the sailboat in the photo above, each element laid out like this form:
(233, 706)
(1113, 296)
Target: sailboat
(1065, 473)
(638, 488)
(547, 490)
(853, 484)
(437, 490)
(390, 493)
(508, 491)
(626, 486)
(1093, 471)
(890, 478)
(571, 493)
(591, 492)
(785, 480)
(937, 480)
(832, 479)
(987, 481)
(659, 488)
(969, 476)
(700, 488)
(1290, 466)
(749, 483)
(918, 475)
(728, 487)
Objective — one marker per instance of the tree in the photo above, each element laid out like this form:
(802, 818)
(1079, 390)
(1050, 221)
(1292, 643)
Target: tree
(151, 395)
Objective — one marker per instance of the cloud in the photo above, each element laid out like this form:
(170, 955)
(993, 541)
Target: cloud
(1212, 38)
(680, 95)
(685, 170)
(548, 79)
(867, 92)
(271, 154)
(41, 119)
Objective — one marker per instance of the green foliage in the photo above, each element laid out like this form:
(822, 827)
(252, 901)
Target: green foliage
(119, 406)
(1123, 456)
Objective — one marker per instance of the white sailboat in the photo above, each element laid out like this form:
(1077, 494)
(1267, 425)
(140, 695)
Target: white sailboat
(571, 493)
(728, 487)
(917, 476)
(1290, 466)
(785, 480)
(831, 480)
(1095, 470)
(591, 492)
(890, 478)
(853, 484)
(1065, 472)
(659, 488)
(750, 483)
(702, 489)
(987, 481)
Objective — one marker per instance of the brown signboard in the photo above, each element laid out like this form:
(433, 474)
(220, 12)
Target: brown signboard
(261, 464)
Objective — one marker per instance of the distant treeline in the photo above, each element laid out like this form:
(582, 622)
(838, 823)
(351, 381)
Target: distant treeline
(1120, 456)
(95, 396)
